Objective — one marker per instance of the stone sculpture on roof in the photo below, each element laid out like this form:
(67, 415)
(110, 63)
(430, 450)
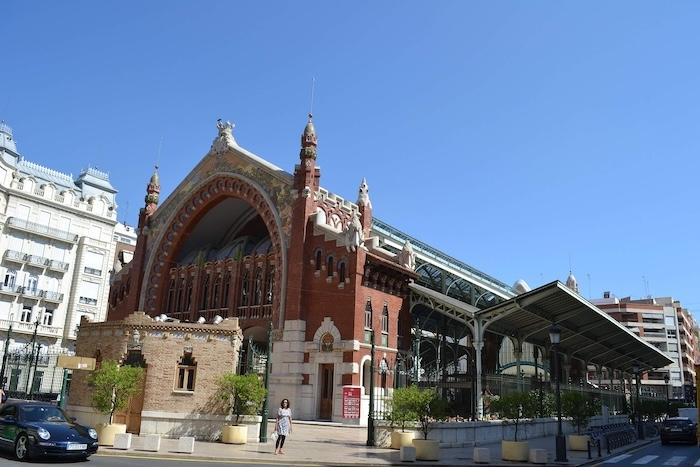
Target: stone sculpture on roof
(407, 258)
(224, 140)
(354, 237)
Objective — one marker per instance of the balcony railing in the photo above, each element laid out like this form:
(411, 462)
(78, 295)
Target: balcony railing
(47, 231)
(94, 272)
(30, 292)
(12, 255)
(56, 265)
(35, 260)
(18, 326)
(9, 289)
(49, 296)
(88, 301)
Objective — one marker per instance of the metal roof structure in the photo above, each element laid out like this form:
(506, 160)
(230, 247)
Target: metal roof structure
(587, 333)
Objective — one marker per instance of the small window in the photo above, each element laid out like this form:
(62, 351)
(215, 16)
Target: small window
(385, 319)
(368, 314)
(319, 260)
(47, 319)
(26, 315)
(329, 266)
(10, 277)
(341, 271)
(186, 370)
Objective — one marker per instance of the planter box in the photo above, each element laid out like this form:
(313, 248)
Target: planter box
(427, 449)
(578, 442)
(234, 434)
(515, 451)
(106, 432)
(400, 439)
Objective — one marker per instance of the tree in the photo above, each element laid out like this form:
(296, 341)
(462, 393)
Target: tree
(514, 407)
(242, 394)
(402, 408)
(423, 405)
(112, 385)
(542, 403)
(579, 408)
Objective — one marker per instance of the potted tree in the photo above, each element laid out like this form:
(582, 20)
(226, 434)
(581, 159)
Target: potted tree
(112, 386)
(428, 409)
(402, 413)
(513, 408)
(580, 409)
(242, 395)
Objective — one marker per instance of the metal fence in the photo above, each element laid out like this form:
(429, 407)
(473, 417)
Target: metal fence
(31, 375)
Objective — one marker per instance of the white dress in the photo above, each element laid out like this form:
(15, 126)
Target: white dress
(284, 417)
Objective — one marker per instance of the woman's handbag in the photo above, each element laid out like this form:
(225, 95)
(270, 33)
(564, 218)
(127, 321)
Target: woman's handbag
(274, 435)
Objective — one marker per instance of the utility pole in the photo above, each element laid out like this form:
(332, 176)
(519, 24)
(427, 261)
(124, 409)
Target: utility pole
(31, 358)
(4, 357)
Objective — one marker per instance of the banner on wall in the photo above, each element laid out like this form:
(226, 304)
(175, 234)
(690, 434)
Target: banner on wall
(351, 402)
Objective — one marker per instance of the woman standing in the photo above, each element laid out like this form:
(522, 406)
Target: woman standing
(283, 425)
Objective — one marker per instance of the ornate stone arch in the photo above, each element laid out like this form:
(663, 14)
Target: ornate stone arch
(204, 196)
(327, 327)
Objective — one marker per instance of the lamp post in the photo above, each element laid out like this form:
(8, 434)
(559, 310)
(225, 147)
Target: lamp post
(667, 379)
(370, 416)
(640, 430)
(263, 422)
(555, 338)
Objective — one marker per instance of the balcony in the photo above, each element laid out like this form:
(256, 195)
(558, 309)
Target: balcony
(19, 326)
(58, 266)
(14, 256)
(32, 227)
(94, 272)
(36, 261)
(9, 290)
(48, 296)
(30, 292)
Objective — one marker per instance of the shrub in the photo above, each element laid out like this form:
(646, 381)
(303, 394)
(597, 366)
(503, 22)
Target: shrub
(424, 404)
(112, 385)
(514, 407)
(241, 394)
(542, 402)
(579, 408)
(402, 408)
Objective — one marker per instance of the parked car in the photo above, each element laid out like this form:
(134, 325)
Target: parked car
(678, 429)
(32, 429)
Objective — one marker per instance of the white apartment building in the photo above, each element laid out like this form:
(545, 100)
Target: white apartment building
(56, 248)
(665, 324)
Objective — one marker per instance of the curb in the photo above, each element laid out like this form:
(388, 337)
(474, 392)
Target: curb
(617, 453)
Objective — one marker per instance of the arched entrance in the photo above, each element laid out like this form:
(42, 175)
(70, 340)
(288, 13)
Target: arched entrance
(220, 254)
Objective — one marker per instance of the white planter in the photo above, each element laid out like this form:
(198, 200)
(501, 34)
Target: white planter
(427, 449)
(106, 432)
(234, 434)
(400, 439)
(515, 451)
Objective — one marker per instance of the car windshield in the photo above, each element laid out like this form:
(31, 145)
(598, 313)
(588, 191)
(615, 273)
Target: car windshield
(677, 423)
(39, 413)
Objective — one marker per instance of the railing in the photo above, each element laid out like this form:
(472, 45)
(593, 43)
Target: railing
(59, 198)
(11, 289)
(88, 301)
(56, 265)
(36, 260)
(19, 326)
(13, 255)
(41, 229)
(255, 312)
(52, 296)
(95, 272)
(39, 192)
(30, 292)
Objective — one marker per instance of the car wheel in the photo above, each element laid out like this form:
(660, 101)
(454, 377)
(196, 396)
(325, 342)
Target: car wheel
(22, 447)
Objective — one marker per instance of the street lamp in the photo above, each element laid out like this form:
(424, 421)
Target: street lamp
(667, 379)
(637, 380)
(555, 338)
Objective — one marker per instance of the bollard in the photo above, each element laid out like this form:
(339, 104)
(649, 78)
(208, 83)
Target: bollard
(588, 445)
(599, 448)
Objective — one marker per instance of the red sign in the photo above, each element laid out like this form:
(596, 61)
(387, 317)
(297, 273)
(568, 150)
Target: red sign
(351, 402)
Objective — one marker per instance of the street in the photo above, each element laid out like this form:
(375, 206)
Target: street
(656, 454)
(124, 461)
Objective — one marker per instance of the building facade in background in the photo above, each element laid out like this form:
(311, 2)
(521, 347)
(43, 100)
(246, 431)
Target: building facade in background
(57, 248)
(664, 323)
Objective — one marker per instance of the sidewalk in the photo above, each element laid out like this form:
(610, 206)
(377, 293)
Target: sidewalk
(329, 444)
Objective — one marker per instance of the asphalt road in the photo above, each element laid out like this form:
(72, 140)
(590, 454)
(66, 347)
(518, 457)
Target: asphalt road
(6, 459)
(657, 455)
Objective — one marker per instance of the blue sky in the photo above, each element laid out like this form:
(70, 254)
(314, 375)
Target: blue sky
(512, 135)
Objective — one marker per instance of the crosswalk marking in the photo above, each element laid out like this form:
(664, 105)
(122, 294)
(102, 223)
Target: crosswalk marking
(675, 460)
(697, 463)
(645, 459)
(616, 459)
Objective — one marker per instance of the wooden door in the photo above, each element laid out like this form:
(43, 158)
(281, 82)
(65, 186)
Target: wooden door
(326, 409)
(131, 417)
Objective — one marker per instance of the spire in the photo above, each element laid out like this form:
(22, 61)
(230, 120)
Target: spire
(571, 282)
(363, 196)
(6, 139)
(152, 192)
(308, 140)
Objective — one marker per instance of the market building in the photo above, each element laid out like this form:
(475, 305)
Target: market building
(240, 237)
